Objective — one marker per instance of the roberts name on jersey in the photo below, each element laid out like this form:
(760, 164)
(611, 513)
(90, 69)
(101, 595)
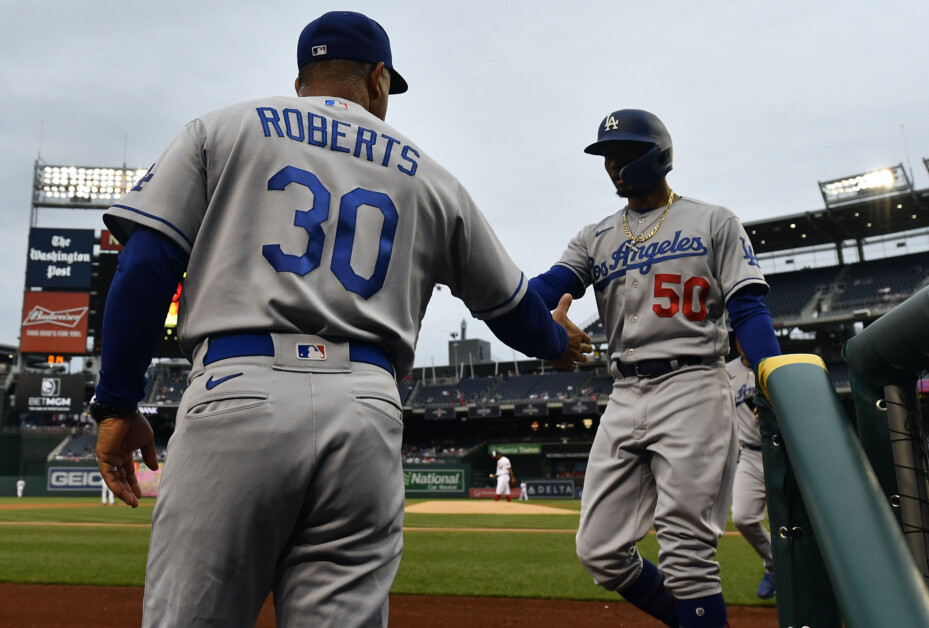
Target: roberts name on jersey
(336, 135)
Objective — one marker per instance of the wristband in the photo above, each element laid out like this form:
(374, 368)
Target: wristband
(100, 411)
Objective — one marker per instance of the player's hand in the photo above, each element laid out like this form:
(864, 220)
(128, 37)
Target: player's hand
(578, 340)
(117, 438)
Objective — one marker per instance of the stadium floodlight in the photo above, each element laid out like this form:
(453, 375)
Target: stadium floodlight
(870, 184)
(82, 186)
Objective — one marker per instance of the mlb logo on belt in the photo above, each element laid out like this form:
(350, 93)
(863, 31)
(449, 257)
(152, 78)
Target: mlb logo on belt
(311, 352)
(319, 50)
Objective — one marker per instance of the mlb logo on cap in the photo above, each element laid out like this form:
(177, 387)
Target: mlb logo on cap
(348, 35)
(311, 352)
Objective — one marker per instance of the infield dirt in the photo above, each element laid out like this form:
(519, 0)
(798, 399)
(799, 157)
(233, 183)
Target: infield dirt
(484, 507)
(48, 606)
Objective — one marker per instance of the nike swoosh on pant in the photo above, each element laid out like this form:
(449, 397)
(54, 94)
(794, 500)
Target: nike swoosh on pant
(213, 383)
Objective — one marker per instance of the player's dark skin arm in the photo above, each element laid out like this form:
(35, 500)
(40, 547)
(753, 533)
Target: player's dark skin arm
(531, 329)
(117, 438)
(150, 267)
(578, 339)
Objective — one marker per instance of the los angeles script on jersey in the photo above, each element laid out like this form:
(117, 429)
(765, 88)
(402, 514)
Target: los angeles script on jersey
(744, 393)
(338, 136)
(628, 257)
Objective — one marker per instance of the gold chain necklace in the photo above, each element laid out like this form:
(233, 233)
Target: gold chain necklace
(635, 238)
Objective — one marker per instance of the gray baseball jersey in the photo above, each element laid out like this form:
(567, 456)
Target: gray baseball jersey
(314, 223)
(742, 380)
(665, 444)
(253, 174)
(666, 297)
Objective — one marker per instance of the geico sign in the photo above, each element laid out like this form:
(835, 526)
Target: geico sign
(73, 479)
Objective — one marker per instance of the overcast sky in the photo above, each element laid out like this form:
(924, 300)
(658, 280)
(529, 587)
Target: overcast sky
(762, 100)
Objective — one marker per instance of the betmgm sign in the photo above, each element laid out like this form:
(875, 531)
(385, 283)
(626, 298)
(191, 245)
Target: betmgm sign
(58, 393)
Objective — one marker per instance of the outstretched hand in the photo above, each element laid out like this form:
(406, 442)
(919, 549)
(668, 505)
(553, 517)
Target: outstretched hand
(578, 340)
(117, 438)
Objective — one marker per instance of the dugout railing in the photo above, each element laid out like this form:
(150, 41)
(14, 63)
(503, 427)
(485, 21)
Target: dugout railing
(849, 511)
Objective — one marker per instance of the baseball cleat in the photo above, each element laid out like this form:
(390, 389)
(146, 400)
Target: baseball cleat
(766, 587)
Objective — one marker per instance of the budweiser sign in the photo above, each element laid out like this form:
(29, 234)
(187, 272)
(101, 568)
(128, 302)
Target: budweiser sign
(64, 318)
(54, 322)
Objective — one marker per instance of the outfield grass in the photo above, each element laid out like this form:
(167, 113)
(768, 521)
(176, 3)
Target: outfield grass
(36, 548)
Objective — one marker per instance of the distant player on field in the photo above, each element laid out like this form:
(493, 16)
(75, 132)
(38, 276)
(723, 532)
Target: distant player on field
(504, 475)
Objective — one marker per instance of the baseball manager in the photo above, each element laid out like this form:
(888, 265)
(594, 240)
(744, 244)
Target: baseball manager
(312, 235)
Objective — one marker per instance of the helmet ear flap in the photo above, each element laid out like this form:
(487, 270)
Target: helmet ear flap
(666, 159)
(649, 169)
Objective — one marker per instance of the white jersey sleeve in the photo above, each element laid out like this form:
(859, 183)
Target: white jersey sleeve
(310, 215)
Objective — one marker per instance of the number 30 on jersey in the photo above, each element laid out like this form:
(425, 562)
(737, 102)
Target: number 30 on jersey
(312, 221)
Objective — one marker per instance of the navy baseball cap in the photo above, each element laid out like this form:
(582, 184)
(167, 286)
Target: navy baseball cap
(348, 35)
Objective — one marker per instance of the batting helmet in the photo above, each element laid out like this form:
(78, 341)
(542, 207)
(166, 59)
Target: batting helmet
(636, 125)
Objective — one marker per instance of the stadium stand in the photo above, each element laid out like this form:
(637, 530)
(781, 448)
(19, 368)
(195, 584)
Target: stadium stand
(601, 384)
(882, 282)
(81, 447)
(792, 292)
(458, 393)
(555, 385)
(166, 384)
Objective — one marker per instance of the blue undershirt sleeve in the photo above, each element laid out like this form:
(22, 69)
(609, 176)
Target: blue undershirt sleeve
(149, 269)
(529, 328)
(555, 283)
(751, 322)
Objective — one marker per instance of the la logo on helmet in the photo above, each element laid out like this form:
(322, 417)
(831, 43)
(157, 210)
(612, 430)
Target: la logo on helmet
(611, 123)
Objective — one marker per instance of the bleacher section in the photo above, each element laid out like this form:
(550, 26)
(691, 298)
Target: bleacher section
(81, 447)
(550, 386)
(601, 384)
(880, 284)
(559, 385)
(460, 393)
(791, 292)
(406, 388)
(166, 384)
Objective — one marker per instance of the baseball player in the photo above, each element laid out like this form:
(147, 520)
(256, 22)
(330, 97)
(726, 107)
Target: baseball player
(106, 495)
(312, 235)
(664, 269)
(523, 492)
(20, 487)
(748, 491)
(504, 476)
